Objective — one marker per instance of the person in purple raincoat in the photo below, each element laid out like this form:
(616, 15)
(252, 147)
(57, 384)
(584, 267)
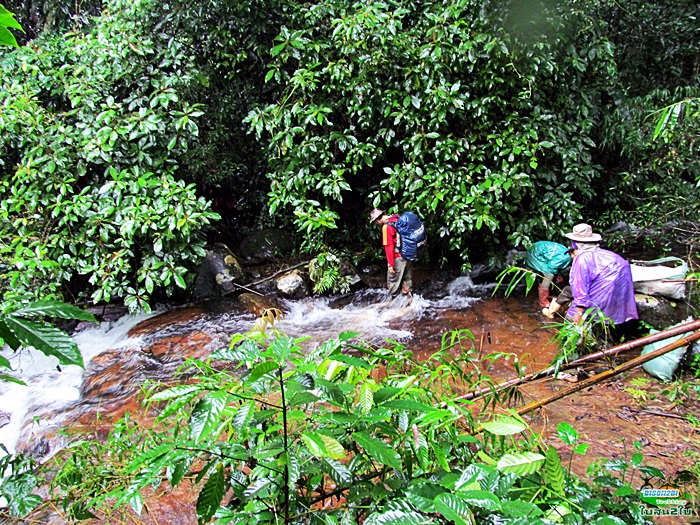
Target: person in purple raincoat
(599, 279)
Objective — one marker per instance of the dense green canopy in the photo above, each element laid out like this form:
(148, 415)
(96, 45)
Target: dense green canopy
(123, 135)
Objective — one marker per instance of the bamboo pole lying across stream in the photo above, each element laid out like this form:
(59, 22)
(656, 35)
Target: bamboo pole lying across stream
(628, 365)
(643, 341)
(593, 380)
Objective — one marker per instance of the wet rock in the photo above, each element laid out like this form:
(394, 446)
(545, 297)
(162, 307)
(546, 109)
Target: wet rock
(166, 320)
(256, 304)
(483, 274)
(265, 245)
(105, 378)
(36, 448)
(218, 273)
(103, 314)
(195, 345)
(292, 285)
(341, 301)
(659, 312)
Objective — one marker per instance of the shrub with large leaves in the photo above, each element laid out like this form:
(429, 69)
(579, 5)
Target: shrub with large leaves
(345, 434)
(91, 140)
(482, 126)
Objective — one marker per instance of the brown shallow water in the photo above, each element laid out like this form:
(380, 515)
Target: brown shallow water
(607, 416)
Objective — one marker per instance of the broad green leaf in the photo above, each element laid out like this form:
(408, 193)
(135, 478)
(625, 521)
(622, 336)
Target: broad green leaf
(9, 379)
(7, 19)
(180, 281)
(422, 495)
(277, 49)
(315, 444)
(244, 415)
(7, 38)
(378, 450)
(520, 509)
(175, 392)
(257, 487)
(352, 360)
(623, 491)
(648, 470)
(261, 370)
(212, 494)
(332, 392)
(480, 498)
(47, 339)
(661, 123)
(504, 426)
(54, 309)
(453, 509)
(322, 446)
(205, 416)
(302, 398)
(386, 393)
(365, 399)
(293, 468)
(7, 335)
(337, 471)
(136, 503)
(567, 433)
(581, 448)
(179, 470)
(281, 348)
(346, 336)
(520, 463)
(556, 515)
(333, 447)
(398, 517)
(440, 456)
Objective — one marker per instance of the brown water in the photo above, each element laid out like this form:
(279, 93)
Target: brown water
(607, 417)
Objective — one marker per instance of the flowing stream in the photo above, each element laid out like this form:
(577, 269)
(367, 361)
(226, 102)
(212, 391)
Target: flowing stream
(120, 356)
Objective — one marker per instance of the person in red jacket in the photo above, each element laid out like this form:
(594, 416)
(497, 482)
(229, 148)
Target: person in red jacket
(399, 276)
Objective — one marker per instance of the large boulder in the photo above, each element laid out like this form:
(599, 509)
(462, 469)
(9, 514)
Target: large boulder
(660, 312)
(292, 285)
(265, 245)
(218, 273)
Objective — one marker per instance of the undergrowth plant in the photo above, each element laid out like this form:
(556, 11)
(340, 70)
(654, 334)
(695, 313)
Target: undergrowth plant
(271, 433)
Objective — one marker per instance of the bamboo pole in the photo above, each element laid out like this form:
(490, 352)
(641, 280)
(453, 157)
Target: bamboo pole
(643, 341)
(628, 365)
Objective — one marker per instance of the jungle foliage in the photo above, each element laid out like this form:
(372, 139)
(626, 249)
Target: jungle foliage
(500, 122)
(347, 433)
(92, 137)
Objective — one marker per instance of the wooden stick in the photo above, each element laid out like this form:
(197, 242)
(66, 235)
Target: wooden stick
(269, 278)
(643, 341)
(247, 289)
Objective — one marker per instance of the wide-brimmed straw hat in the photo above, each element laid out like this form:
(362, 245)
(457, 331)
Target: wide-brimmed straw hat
(375, 214)
(583, 233)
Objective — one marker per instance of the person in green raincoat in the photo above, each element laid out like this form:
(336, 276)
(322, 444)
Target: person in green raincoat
(549, 259)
